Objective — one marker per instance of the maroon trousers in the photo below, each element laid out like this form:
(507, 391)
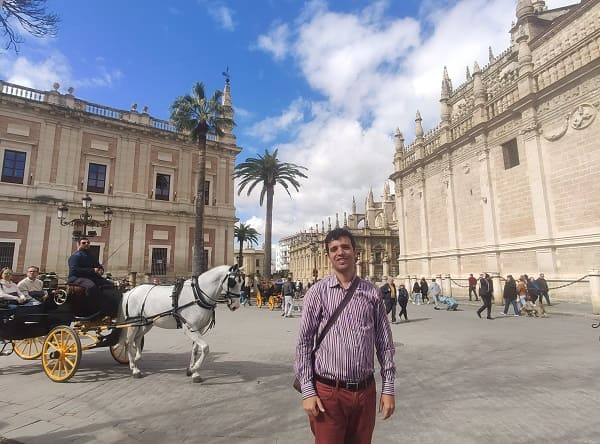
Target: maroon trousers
(349, 417)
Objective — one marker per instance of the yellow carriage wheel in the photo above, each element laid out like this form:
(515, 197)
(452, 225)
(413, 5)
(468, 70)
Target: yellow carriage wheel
(271, 303)
(30, 348)
(61, 353)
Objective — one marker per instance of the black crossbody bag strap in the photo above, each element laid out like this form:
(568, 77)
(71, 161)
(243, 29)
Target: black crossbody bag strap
(336, 314)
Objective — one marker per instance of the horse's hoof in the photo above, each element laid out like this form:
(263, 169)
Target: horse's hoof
(137, 375)
(197, 378)
(188, 372)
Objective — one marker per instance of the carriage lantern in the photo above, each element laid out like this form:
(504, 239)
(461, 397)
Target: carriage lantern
(84, 220)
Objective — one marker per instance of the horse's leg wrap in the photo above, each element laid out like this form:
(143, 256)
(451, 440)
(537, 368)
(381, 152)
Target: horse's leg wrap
(200, 350)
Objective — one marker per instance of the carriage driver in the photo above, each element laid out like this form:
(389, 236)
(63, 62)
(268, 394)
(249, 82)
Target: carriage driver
(85, 271)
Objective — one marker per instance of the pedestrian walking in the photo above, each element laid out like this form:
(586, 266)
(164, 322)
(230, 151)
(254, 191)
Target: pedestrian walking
(416, 291)
(543, 286)
(388, 290)
(287, 291)
(522, 290)
(403, 301)
(485, 295)
(472, 287)
(338, 387)
(435, 291)
(510, 295)
(424, 290)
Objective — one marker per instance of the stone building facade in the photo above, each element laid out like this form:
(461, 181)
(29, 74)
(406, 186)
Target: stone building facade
(56, 149)
(507, 182)
(375, 231)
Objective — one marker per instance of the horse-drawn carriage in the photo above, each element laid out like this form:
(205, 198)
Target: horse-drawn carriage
(269, 293)
(58, 330)
(61, 328)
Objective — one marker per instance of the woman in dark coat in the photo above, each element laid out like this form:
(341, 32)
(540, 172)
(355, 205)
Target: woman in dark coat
(416, 293)
(424, 290)
(510, 295)
(402, 301)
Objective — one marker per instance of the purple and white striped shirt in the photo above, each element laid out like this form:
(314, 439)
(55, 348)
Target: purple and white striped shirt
(347, 350)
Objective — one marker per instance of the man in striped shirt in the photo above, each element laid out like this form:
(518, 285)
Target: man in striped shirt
(338, 392)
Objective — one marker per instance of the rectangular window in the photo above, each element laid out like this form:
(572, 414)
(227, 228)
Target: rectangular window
(206, 264)
(163, 187)
(7, 253)
(510, 153)
(207, 193)
(13, 167)
(96, 182)
(159, 261)
(258, 262)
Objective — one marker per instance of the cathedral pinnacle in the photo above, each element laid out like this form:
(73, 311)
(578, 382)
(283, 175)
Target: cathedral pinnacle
(418, 126)
(399, 142)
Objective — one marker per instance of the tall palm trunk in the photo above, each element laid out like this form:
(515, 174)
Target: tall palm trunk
(240, 257)
(198, 265)
(268, 229)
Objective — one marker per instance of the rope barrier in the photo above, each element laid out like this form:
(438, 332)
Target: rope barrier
(569, 283)
(502, 278)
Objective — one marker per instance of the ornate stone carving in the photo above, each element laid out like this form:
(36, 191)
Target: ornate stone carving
(556, 134)
(583, 116)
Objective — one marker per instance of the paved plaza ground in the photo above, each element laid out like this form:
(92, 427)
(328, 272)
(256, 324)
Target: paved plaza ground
(460, 380)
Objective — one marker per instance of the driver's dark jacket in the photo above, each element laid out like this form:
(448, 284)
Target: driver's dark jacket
(81, 265)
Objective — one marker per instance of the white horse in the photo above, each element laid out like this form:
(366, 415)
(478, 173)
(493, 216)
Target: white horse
(190, 305)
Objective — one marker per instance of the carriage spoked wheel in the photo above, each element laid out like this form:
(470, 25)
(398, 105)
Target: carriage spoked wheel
(119, 352)
(61, 353)
(60, 297)
(28, 349)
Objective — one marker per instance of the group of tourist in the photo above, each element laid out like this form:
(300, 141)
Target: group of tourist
(28, 291)
(525, 295)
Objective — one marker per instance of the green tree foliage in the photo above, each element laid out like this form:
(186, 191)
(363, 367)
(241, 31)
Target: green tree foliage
(268, 171)
(245, 234)
(196, 116)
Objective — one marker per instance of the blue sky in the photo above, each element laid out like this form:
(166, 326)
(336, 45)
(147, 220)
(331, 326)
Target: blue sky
(326, 82)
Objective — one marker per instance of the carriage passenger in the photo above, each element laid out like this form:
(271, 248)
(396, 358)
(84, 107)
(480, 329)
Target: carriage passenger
(85, 271)
(32, 286)
(9, 292)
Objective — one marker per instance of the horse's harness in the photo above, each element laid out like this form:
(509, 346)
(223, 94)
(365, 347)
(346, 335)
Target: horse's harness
(201, 299)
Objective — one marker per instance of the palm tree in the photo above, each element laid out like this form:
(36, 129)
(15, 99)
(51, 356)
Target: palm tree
(245, 234)
(196, 115)
(268, 171)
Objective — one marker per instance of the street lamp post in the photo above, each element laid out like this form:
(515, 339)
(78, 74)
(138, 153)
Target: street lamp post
(314, 248)
(84, 220)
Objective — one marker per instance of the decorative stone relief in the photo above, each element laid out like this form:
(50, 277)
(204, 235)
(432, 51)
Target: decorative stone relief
(583, 116)
(580, 118)
(466, 168)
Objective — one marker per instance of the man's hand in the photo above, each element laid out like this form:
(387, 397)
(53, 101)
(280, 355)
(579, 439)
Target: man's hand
(22, 299)
(313, 406)
(387, 405)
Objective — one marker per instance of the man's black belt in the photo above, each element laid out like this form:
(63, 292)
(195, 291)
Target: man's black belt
(350, 386)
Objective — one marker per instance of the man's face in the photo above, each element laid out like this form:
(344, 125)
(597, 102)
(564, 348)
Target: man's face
(84, 244)
(342, 255)
(32, 274)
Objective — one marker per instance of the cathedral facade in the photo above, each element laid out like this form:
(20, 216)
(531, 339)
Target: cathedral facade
(375, 231)
(59, 152)
(507, 182)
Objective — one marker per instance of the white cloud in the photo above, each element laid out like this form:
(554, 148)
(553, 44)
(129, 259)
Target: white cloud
(222, 15)
(267, 129)
(374, 71)
(275, 41)
(43, 73)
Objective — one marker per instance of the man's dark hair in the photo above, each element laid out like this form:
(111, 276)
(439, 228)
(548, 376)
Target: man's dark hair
(337, 233)
(83, 239)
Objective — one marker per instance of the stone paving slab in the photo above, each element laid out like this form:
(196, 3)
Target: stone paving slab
(460, 380)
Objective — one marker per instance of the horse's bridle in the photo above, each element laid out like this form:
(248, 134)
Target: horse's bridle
(201, 297)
